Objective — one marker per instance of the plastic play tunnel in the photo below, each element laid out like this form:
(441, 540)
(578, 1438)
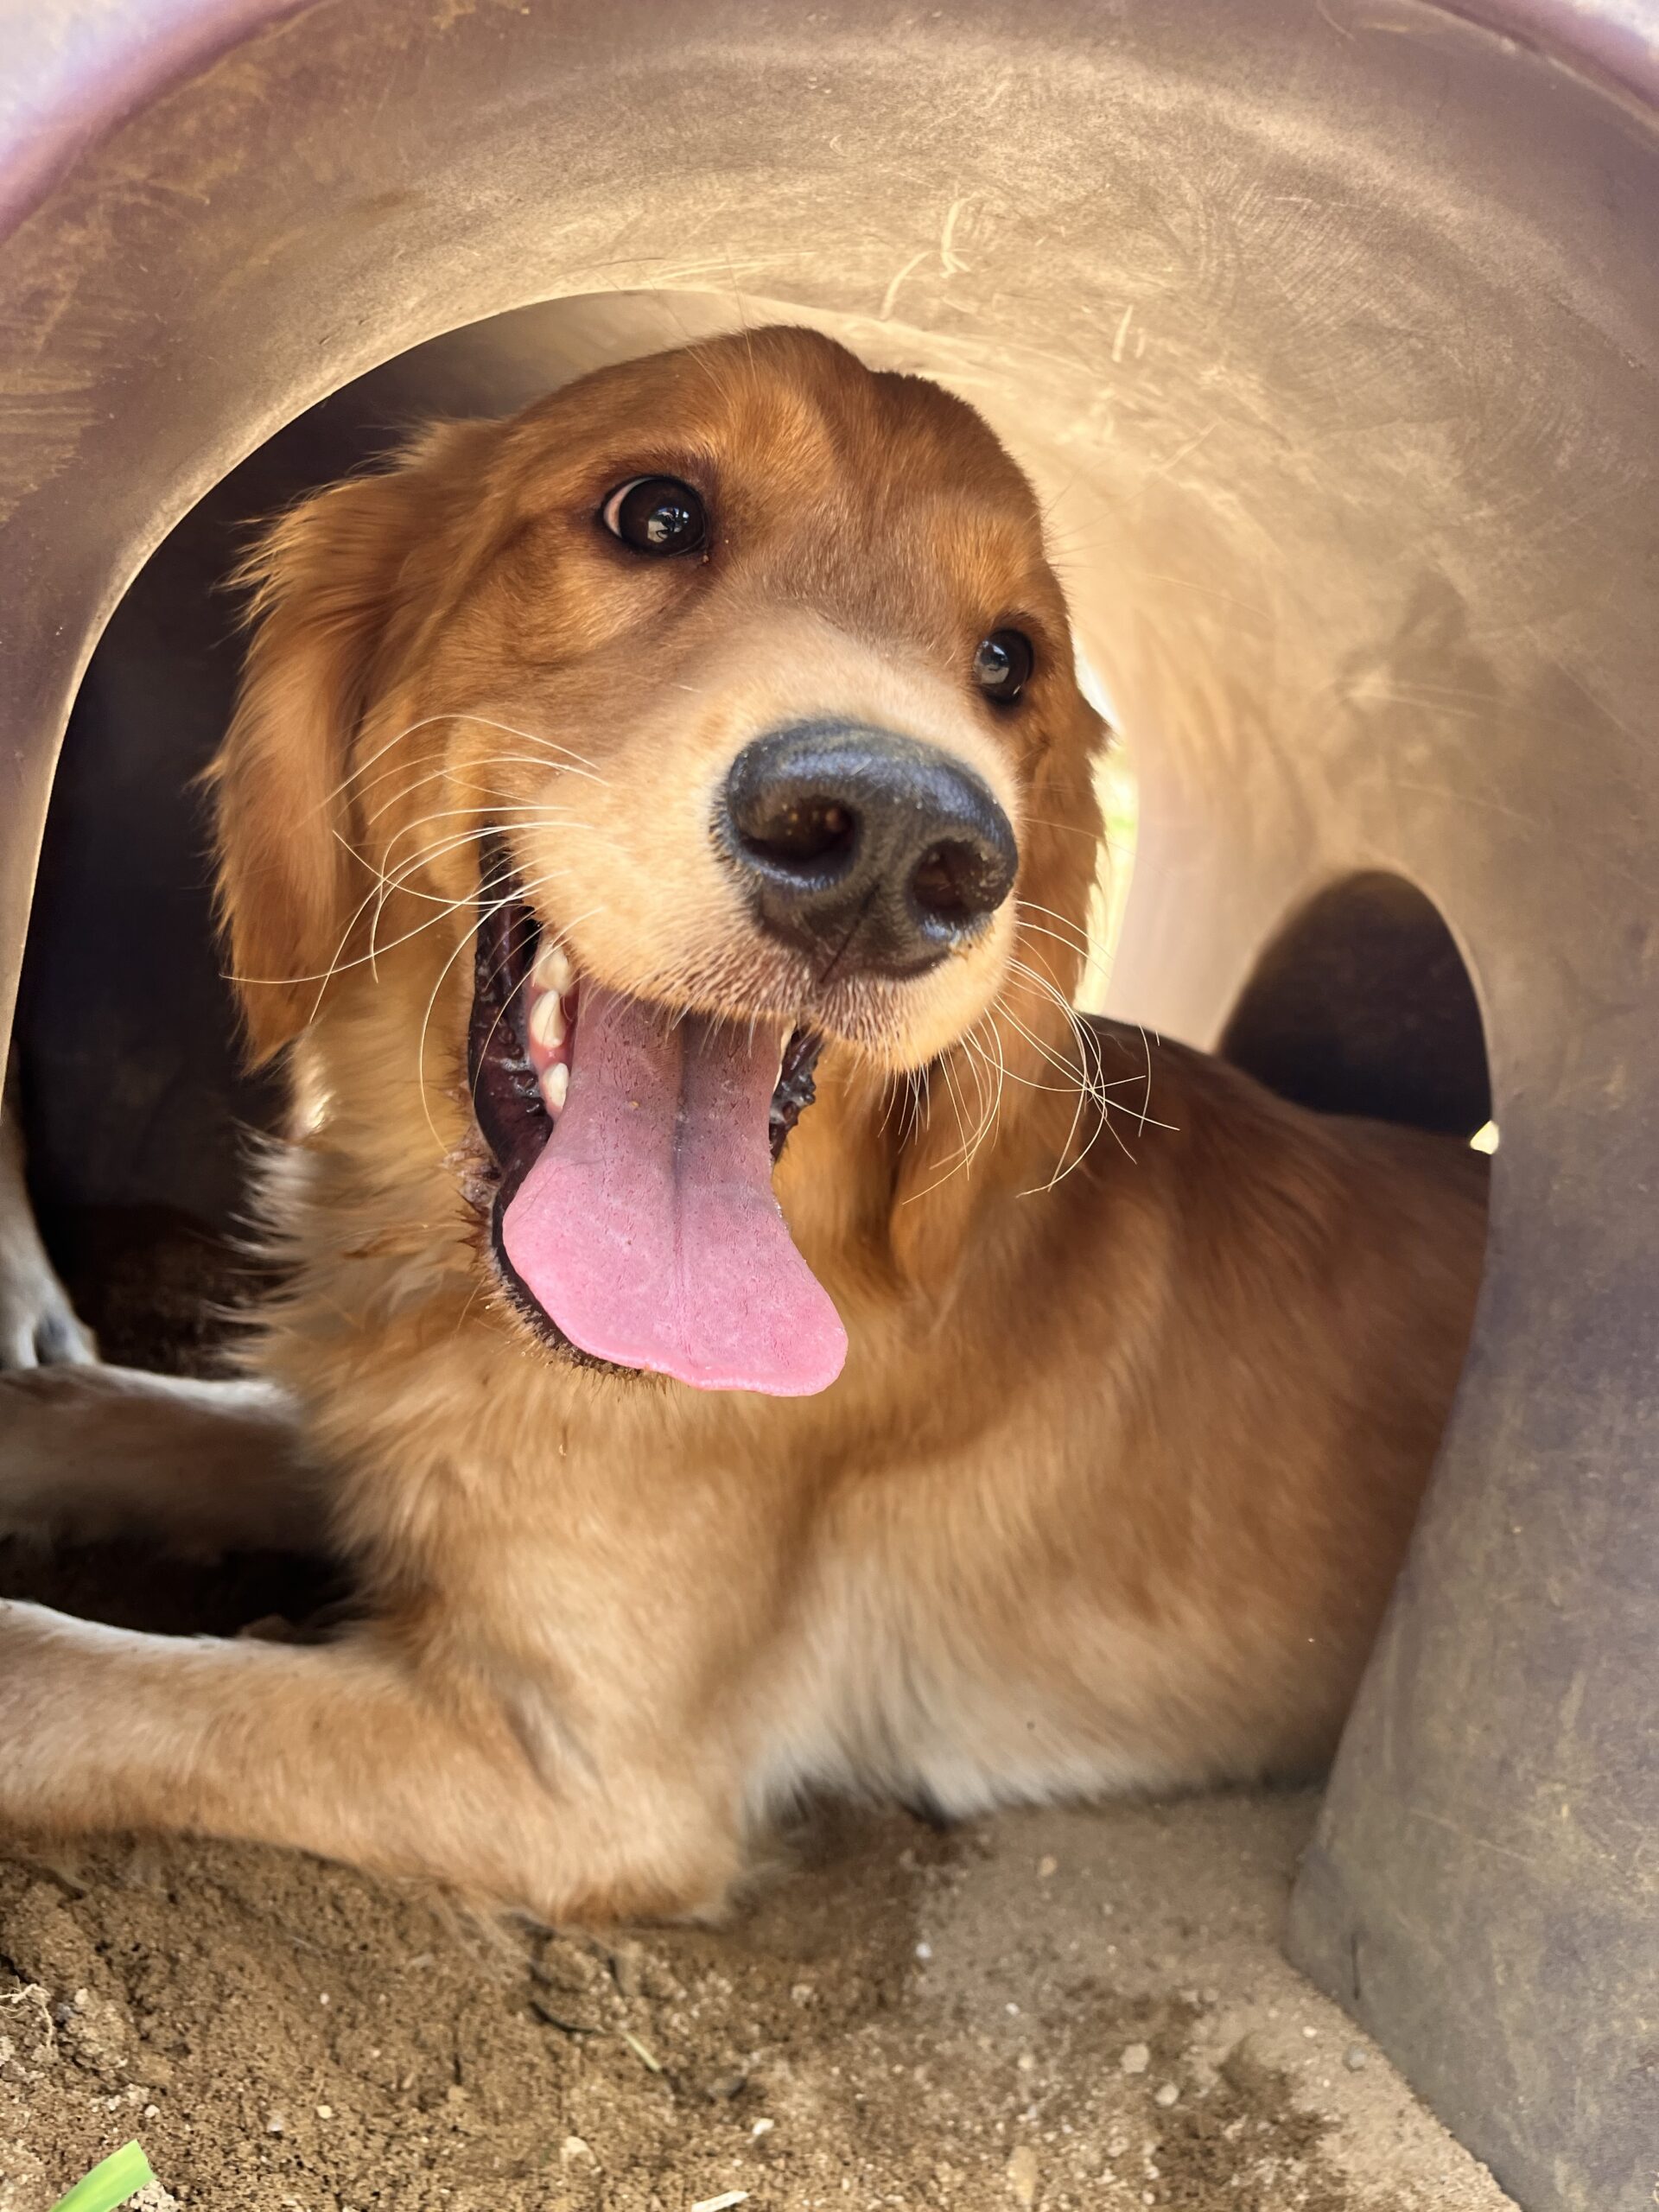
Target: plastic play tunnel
(1330, 328)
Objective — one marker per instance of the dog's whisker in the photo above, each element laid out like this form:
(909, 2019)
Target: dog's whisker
(992, 1101)
(379, 891)
(1068, 828)
(1089, 1089)
(490, 796)
(550, 744)
(584, 765)
(526, 816)
(1088, 959)
(394, 883)
(555, 746)
(1103, 1120)
(962, 1159)
(397, 882)
(1046, 1051)
(340, 790)
(972, 1067)
(1075, 940)
(1098, 1089)
(485, 909)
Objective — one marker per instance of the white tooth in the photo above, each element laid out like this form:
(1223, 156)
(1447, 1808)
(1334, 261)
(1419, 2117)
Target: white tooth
(548, 1026)
(556, 1086)
(552, 970)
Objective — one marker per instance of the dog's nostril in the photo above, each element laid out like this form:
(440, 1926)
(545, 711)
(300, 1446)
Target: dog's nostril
(811, 834)
(957, 881)
(869, 849)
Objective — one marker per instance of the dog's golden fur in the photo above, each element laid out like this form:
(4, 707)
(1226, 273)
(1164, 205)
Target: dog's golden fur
(1123, 1458)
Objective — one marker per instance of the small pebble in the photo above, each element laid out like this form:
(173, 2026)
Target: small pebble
(1312, 2034)
(1046, 1867)
(1356, 2058)
(1165, 2093)
(325, 2112)
(1136, 2058)
(278, 2124)
(763, 2127)
(626, 1958)
(1023, 2175)
(924, 1950)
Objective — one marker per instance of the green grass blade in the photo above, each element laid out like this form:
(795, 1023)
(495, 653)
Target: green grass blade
(122, 2175)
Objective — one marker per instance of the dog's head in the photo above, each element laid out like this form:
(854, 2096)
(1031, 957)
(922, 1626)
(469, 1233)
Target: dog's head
(717, 709)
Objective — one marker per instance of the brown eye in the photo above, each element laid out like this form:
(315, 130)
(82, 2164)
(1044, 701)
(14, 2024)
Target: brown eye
(656, 514)
(1002, 665)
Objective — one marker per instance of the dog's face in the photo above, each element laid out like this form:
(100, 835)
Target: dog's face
(730, 694)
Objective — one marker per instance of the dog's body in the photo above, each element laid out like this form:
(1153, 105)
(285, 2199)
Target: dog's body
(1130, 1431)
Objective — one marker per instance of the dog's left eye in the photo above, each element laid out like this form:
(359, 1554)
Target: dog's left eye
(656, 514)
(1002, 665)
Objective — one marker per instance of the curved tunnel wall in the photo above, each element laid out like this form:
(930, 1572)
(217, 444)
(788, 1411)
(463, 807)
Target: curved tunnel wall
(1332, 330)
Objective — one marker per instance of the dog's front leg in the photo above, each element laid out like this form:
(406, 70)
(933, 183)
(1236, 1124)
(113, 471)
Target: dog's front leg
(87, 1453)
(346, 1751)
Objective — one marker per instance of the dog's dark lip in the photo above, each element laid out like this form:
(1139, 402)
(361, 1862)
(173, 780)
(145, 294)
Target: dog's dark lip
(507, 1096)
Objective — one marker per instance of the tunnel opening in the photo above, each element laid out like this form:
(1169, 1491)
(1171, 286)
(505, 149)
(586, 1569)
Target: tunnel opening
(1362, 1004)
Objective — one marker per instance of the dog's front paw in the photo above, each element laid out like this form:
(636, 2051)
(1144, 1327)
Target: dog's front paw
(38, 1325)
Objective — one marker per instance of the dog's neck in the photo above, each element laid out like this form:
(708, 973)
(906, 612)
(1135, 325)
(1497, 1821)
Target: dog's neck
(890, 1180)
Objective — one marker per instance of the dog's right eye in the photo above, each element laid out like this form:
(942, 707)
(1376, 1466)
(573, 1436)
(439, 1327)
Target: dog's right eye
(656, 514)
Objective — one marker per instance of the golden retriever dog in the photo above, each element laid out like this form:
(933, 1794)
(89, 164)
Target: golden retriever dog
(748, 1335)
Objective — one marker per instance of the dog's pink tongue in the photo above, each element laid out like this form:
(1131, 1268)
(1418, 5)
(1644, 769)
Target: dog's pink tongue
(648, 1228)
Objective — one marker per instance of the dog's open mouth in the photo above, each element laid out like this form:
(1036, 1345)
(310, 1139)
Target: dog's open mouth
(634, 1217)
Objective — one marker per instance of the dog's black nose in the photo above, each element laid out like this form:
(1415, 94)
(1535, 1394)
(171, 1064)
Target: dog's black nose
(856, 842)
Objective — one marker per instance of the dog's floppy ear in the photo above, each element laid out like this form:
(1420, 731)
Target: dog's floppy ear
(340, 589)
(321, 581)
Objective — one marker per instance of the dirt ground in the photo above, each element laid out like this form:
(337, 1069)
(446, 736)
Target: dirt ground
(1078, 2007)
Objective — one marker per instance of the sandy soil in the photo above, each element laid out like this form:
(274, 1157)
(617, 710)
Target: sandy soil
(1078, 2007)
